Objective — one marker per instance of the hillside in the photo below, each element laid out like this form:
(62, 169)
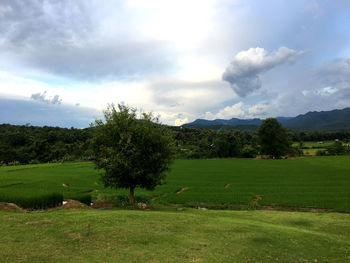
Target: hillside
(334, 120)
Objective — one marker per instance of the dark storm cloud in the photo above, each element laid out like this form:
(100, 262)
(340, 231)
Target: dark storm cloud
(67, 38)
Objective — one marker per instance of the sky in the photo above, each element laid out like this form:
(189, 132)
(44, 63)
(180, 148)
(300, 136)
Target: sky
(63, 62)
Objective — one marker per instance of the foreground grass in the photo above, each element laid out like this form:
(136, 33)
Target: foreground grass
(187, 236)
(314, 182)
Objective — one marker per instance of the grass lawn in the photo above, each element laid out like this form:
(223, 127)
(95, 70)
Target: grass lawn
(312, 181)
(165, 236)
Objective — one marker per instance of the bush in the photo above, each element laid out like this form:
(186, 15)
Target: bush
(321, 153)
(296, 151)
(249, 152)
(33, 201)
(83, 198)
(123, 200)
(142, 199)
(336, 148)
(34, 162)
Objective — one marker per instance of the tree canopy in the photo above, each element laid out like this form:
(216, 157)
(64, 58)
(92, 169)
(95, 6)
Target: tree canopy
(273, 138)
(134, 152)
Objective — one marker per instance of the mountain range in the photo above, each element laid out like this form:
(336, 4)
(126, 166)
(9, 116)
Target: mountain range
(334, 120)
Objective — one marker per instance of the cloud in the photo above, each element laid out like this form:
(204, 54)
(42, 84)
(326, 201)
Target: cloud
(98, 52)
(21, 111)
(326, 91)
(335, 72)
(325, 88)
(330, 82)
(81, 40)
(242, 110)
(42, 97)
(179, 122)
(244, 71)
(234, 111)
(258, 110)
(189, 96)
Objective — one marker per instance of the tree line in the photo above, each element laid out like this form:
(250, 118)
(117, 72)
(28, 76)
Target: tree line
(25, 144)
(30, 144)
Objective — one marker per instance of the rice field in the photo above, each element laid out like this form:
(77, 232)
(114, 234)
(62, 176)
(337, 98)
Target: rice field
(320, 182)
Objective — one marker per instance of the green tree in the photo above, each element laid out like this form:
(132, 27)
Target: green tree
(133, 152)
(227, 144)
(336, 148)
(273, 138)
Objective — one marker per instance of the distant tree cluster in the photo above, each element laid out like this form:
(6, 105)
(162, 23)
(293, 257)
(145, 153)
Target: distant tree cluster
(337, 148)
(29, 144)
(315, 136)
(204, 143)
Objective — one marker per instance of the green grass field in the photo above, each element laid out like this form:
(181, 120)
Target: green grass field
(164, 236)
(311, 148)
(324, 144)
(322, 182)
(174, 233)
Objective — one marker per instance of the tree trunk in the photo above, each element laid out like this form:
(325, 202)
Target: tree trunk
(132, 198)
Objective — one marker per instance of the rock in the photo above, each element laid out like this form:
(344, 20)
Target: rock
(141, 205)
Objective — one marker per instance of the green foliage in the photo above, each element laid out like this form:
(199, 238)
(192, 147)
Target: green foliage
(321, 153)
(31, 145)
(203, 143)
(249, 152)
(32, 200)
(274, 140)
(336, 149)
(83, 198)
(124, 200)
(28, 144)
(132, 152)
(227, 144)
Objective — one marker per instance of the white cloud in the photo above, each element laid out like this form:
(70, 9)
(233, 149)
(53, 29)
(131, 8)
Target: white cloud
(244, 70)
(258, 110)
(242, 111)
(326, 91)
(305, 92)
(229, 112)
(179, 122)
(189, 96)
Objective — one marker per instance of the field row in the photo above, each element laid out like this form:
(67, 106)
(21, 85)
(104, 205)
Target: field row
(322, 182)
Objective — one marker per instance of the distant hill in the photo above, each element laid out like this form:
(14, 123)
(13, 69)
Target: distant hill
(232, 122)
(334, 120)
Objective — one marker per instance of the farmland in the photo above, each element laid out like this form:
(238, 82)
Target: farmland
(321, 182)
(311, 148)
(172, 231)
